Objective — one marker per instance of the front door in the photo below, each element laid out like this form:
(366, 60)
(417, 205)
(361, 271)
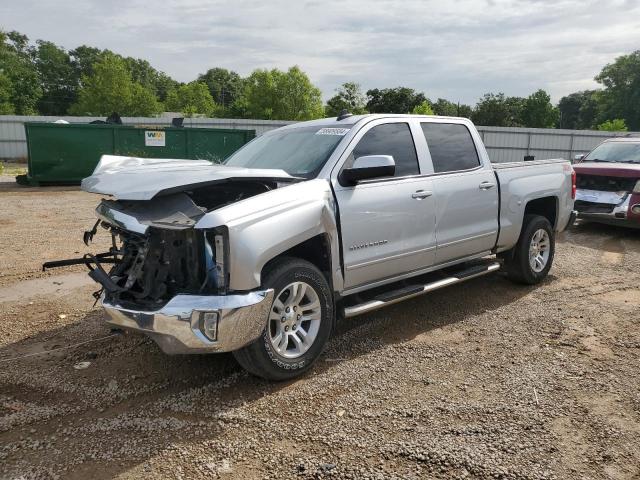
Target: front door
(387, 224)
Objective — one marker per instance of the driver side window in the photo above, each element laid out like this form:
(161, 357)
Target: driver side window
(389, 139)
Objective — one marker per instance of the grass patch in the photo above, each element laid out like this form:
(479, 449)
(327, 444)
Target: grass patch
(12, 168)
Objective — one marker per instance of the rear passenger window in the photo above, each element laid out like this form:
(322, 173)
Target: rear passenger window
(390, 139)
(451, 147)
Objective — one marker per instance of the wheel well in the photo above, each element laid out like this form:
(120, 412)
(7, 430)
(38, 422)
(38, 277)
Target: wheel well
(316, 250)
(546, 207)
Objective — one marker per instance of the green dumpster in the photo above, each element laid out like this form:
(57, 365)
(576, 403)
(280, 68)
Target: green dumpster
(67, 153)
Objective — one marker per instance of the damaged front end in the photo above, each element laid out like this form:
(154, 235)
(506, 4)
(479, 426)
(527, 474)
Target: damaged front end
(168, 279)
(158, 265)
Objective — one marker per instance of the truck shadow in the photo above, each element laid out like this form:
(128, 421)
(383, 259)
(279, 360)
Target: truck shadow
(128, 377)
(406, 320)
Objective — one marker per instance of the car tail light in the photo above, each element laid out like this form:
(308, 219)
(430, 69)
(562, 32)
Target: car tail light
(573, 184)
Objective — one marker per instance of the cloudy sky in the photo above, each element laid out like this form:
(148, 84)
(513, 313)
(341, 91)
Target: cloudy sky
(456, 49)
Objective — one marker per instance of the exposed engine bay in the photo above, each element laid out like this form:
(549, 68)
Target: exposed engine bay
(164, 256)
(152, 268)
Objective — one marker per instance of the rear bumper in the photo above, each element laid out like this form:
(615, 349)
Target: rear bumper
(178, 326)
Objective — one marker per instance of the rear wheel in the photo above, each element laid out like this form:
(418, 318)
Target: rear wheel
(299, 325)
(530, 260)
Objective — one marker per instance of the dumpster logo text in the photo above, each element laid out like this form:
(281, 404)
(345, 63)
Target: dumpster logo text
(154, 138)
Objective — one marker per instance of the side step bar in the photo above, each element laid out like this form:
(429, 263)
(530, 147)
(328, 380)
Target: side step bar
(413, 291)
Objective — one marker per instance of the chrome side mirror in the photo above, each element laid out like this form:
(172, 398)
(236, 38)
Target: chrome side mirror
(367, 167)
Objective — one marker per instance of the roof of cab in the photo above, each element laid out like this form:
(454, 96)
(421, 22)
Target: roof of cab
(353, 119)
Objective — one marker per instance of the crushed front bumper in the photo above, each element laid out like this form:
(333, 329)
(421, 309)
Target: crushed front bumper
(178, 326)
(613, 208)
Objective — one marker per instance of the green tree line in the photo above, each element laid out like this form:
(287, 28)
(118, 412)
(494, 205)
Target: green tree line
(44, 78)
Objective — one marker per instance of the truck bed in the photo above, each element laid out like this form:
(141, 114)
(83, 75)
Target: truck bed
(523, 181)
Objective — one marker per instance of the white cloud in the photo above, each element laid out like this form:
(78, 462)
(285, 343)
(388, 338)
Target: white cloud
(457, 50)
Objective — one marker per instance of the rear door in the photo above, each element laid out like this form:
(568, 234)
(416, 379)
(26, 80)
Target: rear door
(387, 224)
(465, 189)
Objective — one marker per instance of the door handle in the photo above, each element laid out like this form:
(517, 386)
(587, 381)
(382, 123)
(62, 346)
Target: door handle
(486, 185)
(420, 194)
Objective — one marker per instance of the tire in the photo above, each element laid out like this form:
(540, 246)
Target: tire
(277, 355)
(518, 263)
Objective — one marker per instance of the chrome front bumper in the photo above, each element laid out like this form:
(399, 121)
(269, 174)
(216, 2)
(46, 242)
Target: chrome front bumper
(178, 326)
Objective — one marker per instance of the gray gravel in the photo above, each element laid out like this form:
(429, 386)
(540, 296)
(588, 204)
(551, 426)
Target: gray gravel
(482, 380)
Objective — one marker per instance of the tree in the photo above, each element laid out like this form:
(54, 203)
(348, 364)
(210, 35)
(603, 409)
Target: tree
(153, 80)
(57, 77)
(620, 97)
(393, 100)
(225, 86)
(190, 99)
(349, 97)
(446, 108)
(84, 58)
(538, 112)
(579, 110)
(423, 109)
(615, 125)
(111, 89)
(20, 44)
(569, 107)
(21, 84)
(6, 90)
(277, 95)
(144, 102)
(300, 99)
(498, 111)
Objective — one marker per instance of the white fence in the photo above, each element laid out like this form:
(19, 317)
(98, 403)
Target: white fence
(509, 144)
(504, 144)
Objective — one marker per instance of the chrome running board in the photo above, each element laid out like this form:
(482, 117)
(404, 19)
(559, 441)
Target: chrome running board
(395, 296)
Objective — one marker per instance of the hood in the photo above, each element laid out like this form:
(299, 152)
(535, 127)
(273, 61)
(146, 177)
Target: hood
(608, 169)
(130, 178)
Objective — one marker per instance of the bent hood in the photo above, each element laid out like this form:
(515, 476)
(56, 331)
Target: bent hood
(608, 169)
(131, 178)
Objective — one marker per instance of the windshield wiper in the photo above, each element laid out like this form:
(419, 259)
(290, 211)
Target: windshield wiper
(597, 160)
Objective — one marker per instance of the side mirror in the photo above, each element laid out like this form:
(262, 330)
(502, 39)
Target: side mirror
(579, 157)
(369, 166)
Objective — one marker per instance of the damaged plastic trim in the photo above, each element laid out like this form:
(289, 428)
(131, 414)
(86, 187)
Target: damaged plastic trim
(120, 219)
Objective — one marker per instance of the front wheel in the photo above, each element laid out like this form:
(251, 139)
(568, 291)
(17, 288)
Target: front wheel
(530, 260)
(299, 324)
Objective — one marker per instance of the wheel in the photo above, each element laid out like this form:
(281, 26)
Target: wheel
(530, 260)
(299, 325)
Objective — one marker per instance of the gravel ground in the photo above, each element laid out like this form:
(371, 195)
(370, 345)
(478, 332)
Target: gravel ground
(482, 380)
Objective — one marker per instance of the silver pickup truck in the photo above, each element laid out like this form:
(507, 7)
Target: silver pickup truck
(314, 222)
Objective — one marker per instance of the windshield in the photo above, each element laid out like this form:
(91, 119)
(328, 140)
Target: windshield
(624, 152)
(300, 152)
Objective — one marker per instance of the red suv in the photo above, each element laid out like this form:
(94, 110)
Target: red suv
(608, 183)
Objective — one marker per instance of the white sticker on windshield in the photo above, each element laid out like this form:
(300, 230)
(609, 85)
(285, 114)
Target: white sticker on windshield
(332, 131)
